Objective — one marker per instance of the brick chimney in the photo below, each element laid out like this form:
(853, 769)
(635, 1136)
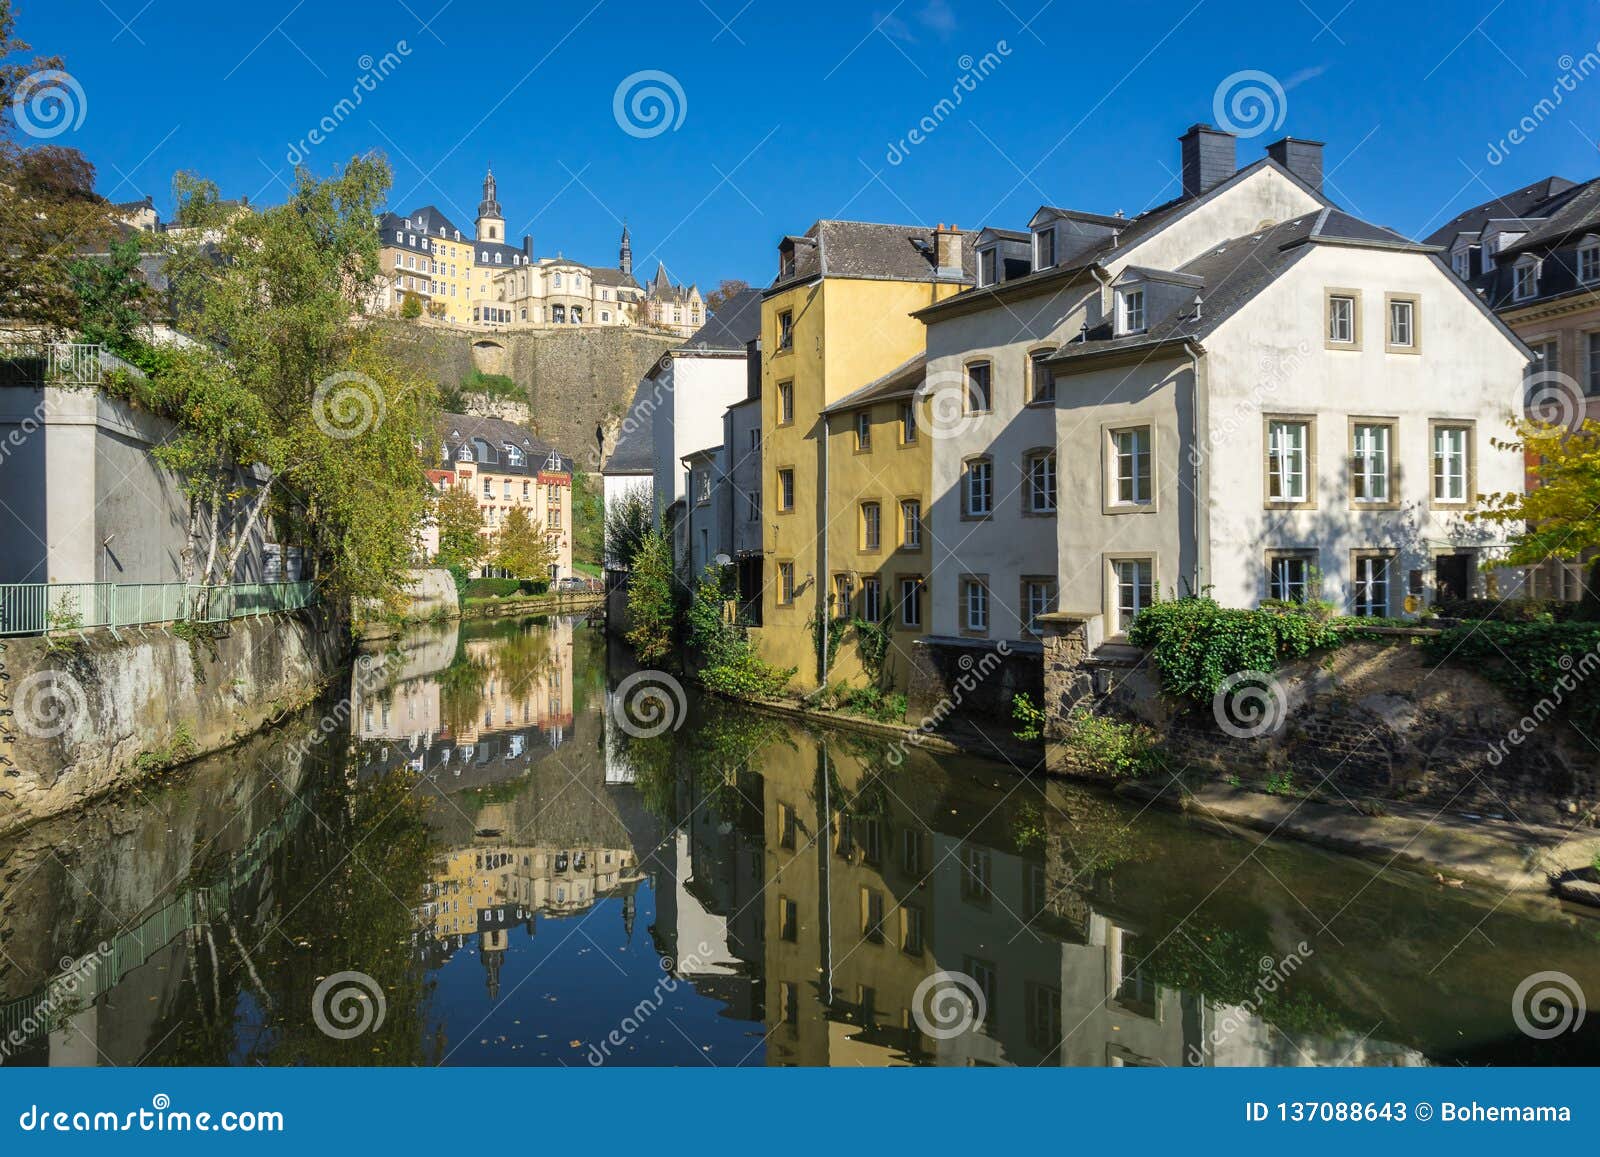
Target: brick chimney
(947, 251)
(1208, 158)
(1302, 158)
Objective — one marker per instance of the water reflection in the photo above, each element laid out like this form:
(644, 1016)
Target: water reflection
(527, 884)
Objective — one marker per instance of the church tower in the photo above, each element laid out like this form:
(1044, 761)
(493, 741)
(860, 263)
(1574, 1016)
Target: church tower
(625, 254)
(491, 225)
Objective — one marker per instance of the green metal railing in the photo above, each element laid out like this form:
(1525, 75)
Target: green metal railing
(34, 608)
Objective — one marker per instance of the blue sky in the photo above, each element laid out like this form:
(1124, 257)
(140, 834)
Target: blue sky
(791, 112)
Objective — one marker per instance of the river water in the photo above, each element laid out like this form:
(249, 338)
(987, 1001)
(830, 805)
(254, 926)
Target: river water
(464, 858)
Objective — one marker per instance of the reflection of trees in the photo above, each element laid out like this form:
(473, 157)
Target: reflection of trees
(720, 739)
(520, 656)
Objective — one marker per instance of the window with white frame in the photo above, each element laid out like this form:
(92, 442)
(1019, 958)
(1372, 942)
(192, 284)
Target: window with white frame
(1039, 598)
(1044, 248)
(978, 493)
(1286, 461)
(1461, 262)
(785, 403)
(1341, 319)
(910, 523)
(871, 526)
(1450, 465)
(974, 605)
(1369, 593)
(1042, 482)
(1402, 323)
(1370, 462)
(1289, 578)
(1135, 578)
(1131, 302)
(979, 396)
(1524, 279)
(1132, 466)
(908, 423)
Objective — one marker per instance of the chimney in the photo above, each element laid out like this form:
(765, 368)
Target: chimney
(1300, 157)
(1208, 158)
(947, 246)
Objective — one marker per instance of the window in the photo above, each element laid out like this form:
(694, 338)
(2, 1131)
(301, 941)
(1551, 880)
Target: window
(1461, 262)
(871, 526)
(911, 930)
(1042, 1016)
(986, 266)
(785, 582)
(1135, 589)
(978, 492)
(908, 424)
(872, 915)
(1132, 453)
(911, 851)
(871, 600)
(1450, 463)
(1288, 578)
(1402, 324)
(986, 977)
(506, 490)
(911, 523)
(841, 594)
(1546, 356)
(488, 488)
(1042, 380)
(1589, 260)
(911, 601)
(1042, 482)
(974, 605)
(977, 871)
(1524, 279)
(788, 919)
(753, 507)
(702, 487)
(1038, 598)
(1370, 593)
(1044, 248)
(785, 403)
(864, 430)
(786, 489)
(1370, 462)
(1287, 472)
(979, 397)
(786, 330)
(1341, 319)
(1133, 311)
(1592, 370)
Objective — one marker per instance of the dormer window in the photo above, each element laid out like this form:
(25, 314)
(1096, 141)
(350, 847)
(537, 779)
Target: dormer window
(1130, 311)
(1044, 248)
(1461, 262)
(986, 267)
(513, 455)
(1524, 279)
(785, 264)
(464, 454)
(1589, 259)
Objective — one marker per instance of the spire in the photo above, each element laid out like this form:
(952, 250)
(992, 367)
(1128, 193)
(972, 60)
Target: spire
(489, 206)
(625, 254)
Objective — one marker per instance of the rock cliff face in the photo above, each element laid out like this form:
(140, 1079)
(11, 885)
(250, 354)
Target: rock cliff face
(576, 379)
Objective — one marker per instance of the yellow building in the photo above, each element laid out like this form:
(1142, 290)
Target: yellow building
(844, 361)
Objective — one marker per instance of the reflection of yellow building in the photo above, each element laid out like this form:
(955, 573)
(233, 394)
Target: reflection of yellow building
(471, 884)
(838, 319)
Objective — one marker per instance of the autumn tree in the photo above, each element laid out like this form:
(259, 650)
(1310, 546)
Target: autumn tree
(460, 522)
(521, 548)
(730, 288)
(1558, 517)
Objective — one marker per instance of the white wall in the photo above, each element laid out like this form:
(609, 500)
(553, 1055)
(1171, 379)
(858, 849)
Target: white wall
(694, 388)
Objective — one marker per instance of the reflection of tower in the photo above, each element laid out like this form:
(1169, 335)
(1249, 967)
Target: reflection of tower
(627, 916)
(492, 950)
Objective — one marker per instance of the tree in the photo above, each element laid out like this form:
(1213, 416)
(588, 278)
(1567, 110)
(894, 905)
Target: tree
(113, 300)
(1558, 517)
(588, 518)
(460, 522)
(628, 521)
(285, 378)
(411, 307)
(521, 547)
(652, 601)
(730, 288)
(49, 211)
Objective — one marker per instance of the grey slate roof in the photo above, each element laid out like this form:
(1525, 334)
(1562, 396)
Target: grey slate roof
(732, 327)
(902, 381)
(634, 452)
(870, 251)
(1578, 213)
(1524, 202)
(456, 429)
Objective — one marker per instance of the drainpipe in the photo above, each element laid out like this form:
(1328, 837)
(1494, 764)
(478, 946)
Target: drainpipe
(822, 557)
(1198, 422)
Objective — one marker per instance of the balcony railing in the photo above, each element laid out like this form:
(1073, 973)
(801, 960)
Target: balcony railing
(36, 608)
(54, 364)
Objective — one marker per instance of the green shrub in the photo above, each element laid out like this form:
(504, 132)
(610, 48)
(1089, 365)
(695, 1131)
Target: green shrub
(1196, 644)
(729, 660)
(1029, 718)
(1115, 748)
(1509, 610)
(873, 703)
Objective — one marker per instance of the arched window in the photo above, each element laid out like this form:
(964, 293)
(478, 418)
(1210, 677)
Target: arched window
(558, 281)
(577, 315)
(558, 313)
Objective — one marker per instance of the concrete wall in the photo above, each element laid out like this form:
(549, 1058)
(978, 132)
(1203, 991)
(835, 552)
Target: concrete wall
(86, 713)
